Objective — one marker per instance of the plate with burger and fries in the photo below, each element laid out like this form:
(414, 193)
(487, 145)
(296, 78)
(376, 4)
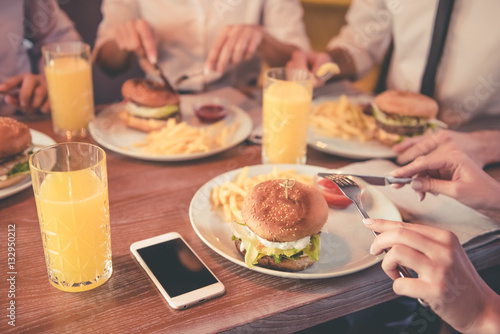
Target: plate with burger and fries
(358, 127)
(177, 134)
(273, 219)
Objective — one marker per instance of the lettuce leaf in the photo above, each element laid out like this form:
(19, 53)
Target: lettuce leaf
(21, 167)
(255, 250)
(313, 249)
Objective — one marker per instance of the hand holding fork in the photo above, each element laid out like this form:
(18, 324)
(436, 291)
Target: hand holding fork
(352, 191)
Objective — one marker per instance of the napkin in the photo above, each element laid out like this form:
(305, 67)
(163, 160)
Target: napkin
(472, 227)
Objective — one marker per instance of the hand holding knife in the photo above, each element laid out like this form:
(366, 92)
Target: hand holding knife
(376, 180)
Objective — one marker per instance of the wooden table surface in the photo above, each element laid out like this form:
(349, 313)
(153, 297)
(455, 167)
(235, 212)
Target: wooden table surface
(151, 198)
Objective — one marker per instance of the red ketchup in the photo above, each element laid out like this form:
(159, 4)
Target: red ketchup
(333, 195)
(210, 113)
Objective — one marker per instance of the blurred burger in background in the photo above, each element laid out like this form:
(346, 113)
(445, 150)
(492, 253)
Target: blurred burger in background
(148, 104)
(282, 224)
(15, 149)
(400, 114)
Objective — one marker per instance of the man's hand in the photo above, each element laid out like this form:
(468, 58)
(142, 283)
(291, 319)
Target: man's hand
(309, 61)
(32, 92)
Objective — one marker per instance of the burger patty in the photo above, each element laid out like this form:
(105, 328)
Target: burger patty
(403, 130)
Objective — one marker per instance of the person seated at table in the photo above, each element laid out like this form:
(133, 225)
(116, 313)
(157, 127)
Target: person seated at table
(218, 38)
(446, 279)
(26, 26)
(466, 81)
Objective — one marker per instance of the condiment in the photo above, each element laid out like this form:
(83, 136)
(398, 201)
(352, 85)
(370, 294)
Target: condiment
(210, 112)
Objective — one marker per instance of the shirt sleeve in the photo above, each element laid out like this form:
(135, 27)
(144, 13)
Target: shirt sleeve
(46, 23)
(282, 19)
(114, 13)
(367, 34)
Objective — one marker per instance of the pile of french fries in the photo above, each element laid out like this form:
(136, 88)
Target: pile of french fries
(342, 119)
(229, 195)
(180, 138)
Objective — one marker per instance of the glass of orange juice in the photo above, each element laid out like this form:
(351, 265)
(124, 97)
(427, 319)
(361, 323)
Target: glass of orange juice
(68, 71)
(286, 103)
(71, 193)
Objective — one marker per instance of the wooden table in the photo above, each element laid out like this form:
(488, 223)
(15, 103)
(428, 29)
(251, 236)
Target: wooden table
(152, 198)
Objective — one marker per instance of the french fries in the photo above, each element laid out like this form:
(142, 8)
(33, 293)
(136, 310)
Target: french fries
(342, 119)
(230, 194)
(180, 138)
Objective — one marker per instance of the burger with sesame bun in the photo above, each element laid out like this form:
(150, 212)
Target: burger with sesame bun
(15, 149)
(148, 104)
(400, 114)
(282, 224)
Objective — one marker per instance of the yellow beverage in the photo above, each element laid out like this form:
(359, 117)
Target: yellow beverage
(74, 222)
(285, 117)
(69, 82)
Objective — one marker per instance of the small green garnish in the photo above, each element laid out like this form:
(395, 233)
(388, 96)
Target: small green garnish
(277, 258)
(21, 167)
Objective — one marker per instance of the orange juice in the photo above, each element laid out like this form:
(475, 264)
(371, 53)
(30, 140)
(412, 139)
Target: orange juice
(74, 222)
(285, 117)
(69, 82)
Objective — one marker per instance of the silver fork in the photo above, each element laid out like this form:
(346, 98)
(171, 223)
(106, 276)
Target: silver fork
(352, 191)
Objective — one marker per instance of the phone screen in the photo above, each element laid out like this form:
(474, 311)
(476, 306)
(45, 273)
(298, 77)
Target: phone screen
(176, 267)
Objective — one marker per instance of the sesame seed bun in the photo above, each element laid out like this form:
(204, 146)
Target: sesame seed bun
(148, 93)
(15, 140)
(269, 214)
(15, 137)
(407, 103)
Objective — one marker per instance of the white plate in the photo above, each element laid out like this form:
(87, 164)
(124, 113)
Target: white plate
(109, 131)
(348, 148)
(345, 241)
(39, 140)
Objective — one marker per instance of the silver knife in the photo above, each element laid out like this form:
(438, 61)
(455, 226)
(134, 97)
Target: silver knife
(375, 180)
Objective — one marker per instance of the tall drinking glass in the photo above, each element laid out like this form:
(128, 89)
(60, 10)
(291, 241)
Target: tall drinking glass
(69, 79)
(71, 193)
(287, 100)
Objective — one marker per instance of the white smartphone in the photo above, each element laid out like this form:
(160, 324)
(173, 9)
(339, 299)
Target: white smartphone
(180, 275)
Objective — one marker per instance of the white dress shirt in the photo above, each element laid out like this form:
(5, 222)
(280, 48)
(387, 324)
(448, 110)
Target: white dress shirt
(468, 77)
(186, 29)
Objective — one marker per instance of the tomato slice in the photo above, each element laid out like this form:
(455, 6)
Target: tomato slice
(333, 195)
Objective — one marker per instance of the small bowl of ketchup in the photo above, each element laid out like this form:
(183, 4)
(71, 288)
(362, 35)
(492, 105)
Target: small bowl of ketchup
(210, 109)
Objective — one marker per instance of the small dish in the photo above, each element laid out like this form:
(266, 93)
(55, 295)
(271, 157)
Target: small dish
(210, 109)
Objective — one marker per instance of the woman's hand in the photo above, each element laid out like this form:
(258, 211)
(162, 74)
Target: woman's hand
(453, 174)
(32, 92)
(474, 144)
(234, 44)
(137, 36)
(447, 280)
